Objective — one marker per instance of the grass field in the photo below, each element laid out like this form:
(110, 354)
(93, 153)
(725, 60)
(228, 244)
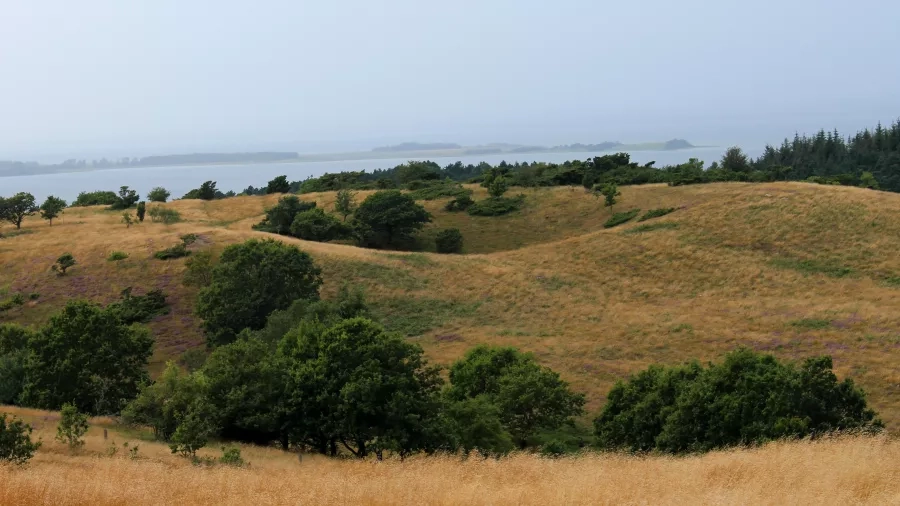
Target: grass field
(735, 265)
(839, 471)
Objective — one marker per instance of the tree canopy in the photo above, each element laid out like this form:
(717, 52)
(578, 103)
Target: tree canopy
(250, 281)
(388, 218)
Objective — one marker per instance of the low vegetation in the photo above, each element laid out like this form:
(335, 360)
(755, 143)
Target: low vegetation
(620, 218)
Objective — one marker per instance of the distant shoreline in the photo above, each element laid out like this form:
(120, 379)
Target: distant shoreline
(358, 156)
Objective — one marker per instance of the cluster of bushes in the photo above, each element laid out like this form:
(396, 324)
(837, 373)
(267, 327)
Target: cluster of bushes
(749, 398)
(322, 376)
(656, 213)
(96, 198)
(139, 308)
(385, 219)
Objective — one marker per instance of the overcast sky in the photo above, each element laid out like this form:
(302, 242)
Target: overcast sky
(137, 77)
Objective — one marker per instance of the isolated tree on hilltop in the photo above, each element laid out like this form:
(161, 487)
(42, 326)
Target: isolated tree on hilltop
(609, 191)
(51, 208)
(386, 218)
(158, 194)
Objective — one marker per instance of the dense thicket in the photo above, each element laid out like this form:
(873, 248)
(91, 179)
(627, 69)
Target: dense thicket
(749, 398)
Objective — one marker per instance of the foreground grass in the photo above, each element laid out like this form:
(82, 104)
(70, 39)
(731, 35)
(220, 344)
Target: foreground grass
(744, 264)
(841, 470)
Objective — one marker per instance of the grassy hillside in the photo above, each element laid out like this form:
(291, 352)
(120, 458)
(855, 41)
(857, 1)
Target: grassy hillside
(831, 471)
(791, 268)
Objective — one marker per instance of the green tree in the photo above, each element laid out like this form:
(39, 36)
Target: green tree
(72, 427)
(530, 397)
(158, 194)
(475, 424)
(278, 185)
(750, 398)
(388, 218)
(609, 192)
(15, 441)
(497, 187)
(127, 219)
(867, 180)
(14, 209)
(51, 208)
(280, 217)
(252, 280)
(126, 198)
(345, 203)
(417, 171)
(141, 210)
(449, 240)
(207, 191)
(362, 387)
(245, 386)
(64, 261)
(194, 429)
(161, 405)
(86, 356)
(735, 160)
(317, 225)
(198, 269)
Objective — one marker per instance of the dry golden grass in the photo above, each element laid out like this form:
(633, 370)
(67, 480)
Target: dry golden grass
(843, 470)
(594, 304)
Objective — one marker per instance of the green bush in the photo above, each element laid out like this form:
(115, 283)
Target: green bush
(177, 251)
(141, 211)
(496, 206)
(656, 213)
(16, 446)
(164, 215)
(317, 225)
(232, 457)
(96, 198)
(198, 269)
(388, 218)
(620, 218)
(158, 194)
(188, 239)
(449, 240)
(460, 203)
(750, 398)
(64, 261)
(139, 308)
(16, 299)
(115, 256)
(280, 217)
(72, 427)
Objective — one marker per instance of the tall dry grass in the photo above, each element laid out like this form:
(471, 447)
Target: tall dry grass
(841, 471)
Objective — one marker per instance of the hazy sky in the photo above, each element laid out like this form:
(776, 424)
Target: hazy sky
(137, 77)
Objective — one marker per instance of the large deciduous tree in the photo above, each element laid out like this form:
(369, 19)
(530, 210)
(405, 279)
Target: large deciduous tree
(251, 280)
(14, 209)
(388, 218)
(86, 355)
(529, 397)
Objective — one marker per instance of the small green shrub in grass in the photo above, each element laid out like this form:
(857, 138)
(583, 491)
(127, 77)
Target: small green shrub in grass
(496, 206)
(656, 213)
(15, 441)
(177, 251)
(620, 218)
(449, 241)
(115, 256)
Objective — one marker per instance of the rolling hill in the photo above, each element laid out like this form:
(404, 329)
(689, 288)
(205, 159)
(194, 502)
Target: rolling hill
(791, 268)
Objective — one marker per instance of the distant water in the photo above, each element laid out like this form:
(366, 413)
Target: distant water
(180, 180)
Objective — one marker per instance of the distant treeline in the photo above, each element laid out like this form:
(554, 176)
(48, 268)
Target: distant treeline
(869, 158)
(23, 168)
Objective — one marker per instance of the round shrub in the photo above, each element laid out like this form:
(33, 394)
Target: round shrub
(449, 240)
